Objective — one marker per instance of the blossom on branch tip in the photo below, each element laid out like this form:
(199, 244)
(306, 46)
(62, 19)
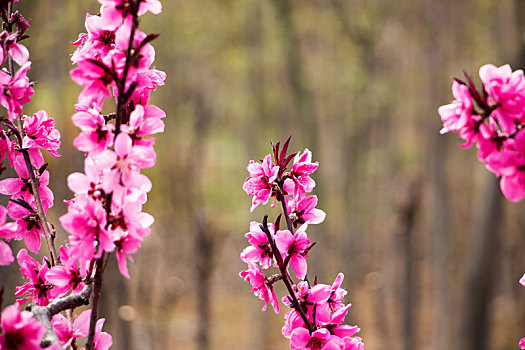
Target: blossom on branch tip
(302, 167)
(259, 183)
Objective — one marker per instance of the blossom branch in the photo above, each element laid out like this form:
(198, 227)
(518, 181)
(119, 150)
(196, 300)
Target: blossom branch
(35, 184)
(44, 314)
(286, 277)
(123, 95)
(95, 301)
(280, 198)
(317, 311)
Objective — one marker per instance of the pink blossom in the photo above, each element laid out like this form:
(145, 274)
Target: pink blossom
(292, 320)
(17, 90)
(89, 183)
(96, 134)
(295, 246)
(95, 81)
(28, 225)
(116, 10)
(41, 132)
(522, 280)
(20, 330)
(147, 81)
(67, 332)
(307, 296)
(21, 187)
(259, 183)
(304, 209)
(38, 288)
(353, 343)
(301, 169)
(86, 221)
(457, 116)
(68, 275)
(509, 164)
(16, 51)
(486, 141)
(335, 301)
(507, 89)
(260, 250)
(143, 121)
(103, 340)
(522, 343)
(131, 225)
(98, 42)
(316, 296)
(124, 164)
(320, 339)
(8, 230)
(147, 52)
(260, 286)
(6, 255)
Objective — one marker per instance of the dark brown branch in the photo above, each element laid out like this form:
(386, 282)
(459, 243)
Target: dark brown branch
(280, 198)
(286, 277)
(44, 314)
(95, 301)
(121, 84)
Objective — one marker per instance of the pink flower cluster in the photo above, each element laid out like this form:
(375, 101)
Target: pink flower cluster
(113, 60)
(317, 310)
(494, 120)
(22, 145)
(106, 212)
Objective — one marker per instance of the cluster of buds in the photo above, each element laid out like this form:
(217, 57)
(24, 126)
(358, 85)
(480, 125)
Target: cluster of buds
(113, 61)
(317, 311)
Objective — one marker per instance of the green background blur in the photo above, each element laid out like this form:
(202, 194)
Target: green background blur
(358, 82)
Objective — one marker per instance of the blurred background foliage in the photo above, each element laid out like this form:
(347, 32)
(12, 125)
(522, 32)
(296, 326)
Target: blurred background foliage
(426, 243)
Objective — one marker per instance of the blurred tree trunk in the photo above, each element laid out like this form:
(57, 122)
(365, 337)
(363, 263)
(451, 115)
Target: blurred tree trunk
(481, 268)
(408, 216)
(114, 295)
(441, 18)
(203, 239)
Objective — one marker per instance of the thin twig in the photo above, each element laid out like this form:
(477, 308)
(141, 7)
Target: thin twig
(121, 85)
(95, 301)
(286, 277)
(280, 198)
